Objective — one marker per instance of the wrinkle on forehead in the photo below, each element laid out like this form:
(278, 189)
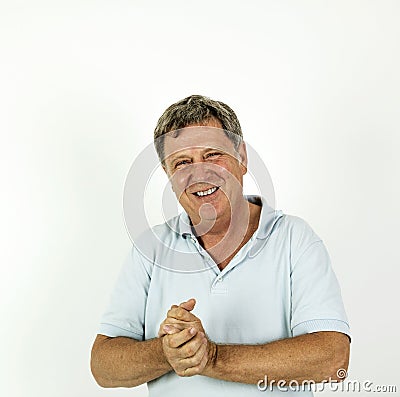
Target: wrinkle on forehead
(197, 137)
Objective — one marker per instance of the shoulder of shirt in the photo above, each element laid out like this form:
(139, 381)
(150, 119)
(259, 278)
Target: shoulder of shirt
(298, 230)
(164, 233)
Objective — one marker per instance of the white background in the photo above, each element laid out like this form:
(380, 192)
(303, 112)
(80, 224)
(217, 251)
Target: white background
(316, 87)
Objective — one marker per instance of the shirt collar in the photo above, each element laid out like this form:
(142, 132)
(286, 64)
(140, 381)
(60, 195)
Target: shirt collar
(184, 227)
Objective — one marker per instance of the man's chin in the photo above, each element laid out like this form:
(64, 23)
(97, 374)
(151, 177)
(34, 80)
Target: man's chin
(208, 213)
(205, 214)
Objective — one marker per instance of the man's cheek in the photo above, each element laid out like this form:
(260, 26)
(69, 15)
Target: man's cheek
(180, 182)
(224, 174)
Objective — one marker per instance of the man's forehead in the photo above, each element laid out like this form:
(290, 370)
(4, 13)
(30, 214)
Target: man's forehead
(197, 137)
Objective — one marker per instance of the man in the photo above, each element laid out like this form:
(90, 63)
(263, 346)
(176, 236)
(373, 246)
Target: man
(231, 292)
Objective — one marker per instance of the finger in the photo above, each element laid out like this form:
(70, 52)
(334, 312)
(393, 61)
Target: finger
(161, 331)
(180, 313)
(195, 364)
(190, 348)
(171, 329)
(181, 337)
(180, 326)
(180, 323)
(198, 369)
(189, 304)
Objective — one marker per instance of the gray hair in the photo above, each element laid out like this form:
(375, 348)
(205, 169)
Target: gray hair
(196, 109)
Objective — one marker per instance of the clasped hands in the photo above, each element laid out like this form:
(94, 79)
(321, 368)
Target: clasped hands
(185, 343)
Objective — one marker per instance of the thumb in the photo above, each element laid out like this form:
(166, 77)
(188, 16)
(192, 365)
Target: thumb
(189, 304)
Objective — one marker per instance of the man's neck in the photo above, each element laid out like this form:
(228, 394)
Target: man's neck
(226, 236)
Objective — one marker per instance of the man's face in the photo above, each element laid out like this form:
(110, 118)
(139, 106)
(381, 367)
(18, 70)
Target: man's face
(205, 170)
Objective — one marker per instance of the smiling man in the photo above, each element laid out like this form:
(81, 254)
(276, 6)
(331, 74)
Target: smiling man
(206, 172)
(231, 292)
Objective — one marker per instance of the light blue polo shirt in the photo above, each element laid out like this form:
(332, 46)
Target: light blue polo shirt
(280, 284)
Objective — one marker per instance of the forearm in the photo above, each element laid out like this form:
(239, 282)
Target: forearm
(315, 356)
(125, 362)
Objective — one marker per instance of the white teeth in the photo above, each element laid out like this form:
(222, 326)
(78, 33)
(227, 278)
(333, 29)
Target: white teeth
(206, 192)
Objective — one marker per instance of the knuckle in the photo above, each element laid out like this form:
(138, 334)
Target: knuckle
(196, 370)
(194, 361)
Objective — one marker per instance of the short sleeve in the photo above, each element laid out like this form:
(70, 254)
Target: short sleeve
(125, 315)
(316, 297)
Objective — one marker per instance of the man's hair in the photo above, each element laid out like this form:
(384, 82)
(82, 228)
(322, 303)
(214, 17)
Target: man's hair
(196, 109)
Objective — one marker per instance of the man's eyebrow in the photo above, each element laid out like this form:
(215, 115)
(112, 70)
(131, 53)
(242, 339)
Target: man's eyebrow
(177, 155)
(172, 157)
(217, 148)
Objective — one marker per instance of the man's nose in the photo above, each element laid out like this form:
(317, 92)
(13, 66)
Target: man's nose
(200, 171)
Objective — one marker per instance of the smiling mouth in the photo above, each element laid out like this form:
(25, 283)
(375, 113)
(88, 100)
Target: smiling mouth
(206, 192)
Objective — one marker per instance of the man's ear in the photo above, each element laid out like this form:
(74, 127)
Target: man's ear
(243, 156)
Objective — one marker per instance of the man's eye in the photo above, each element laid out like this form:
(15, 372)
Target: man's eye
(212, 154)
(181, 163)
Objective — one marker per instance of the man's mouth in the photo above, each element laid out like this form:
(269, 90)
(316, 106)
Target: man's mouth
(206, 192)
